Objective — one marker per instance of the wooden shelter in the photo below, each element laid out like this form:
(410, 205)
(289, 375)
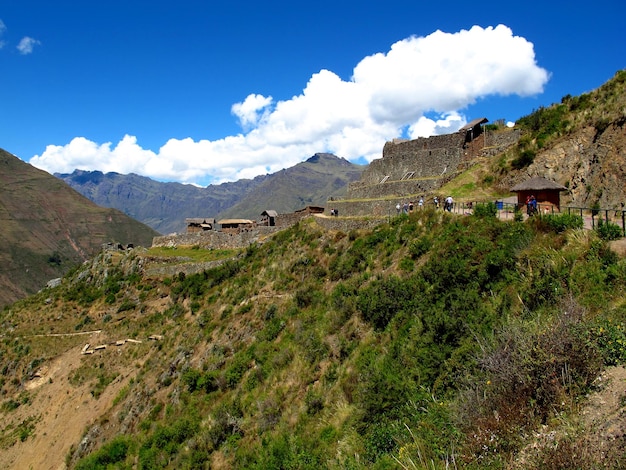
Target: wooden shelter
(473, 129)
(545, 191)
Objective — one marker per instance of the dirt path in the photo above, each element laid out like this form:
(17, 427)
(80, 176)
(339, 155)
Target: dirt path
(605, 412)
(60, 413)
(600, 429)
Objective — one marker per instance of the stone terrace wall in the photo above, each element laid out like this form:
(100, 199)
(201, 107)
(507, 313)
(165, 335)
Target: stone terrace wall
(346, 225)
(407, 188)
(498, 142)
(368, 208)
(287, 220)
(228, 240)
(214, 239)
(425, 157)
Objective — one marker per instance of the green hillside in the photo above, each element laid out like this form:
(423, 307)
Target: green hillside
(433, 340)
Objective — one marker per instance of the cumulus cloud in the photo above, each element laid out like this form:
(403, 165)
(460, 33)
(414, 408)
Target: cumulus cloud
(27, 44)
(418, 88)
(251, 110)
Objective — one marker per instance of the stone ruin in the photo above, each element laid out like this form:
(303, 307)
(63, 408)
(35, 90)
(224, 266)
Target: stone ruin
(409, 169)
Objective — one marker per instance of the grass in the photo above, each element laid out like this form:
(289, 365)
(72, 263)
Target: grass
(472, 185)
(192, 254)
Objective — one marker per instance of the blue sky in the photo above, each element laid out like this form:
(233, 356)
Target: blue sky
(203, 92)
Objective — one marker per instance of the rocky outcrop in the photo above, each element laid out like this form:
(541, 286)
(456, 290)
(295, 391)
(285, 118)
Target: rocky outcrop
(591, 163)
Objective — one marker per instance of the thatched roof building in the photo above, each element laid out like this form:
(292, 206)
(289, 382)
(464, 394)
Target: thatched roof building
(545, 191)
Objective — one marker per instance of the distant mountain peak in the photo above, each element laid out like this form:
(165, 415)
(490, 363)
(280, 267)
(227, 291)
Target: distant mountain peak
(318, 156)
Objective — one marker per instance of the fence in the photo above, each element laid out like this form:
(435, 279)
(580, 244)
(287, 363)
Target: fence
(591, 216)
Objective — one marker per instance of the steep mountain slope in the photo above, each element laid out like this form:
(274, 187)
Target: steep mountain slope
(579, 143)
(164, 206)
(432, 339)
(308, 183)
(435, 340)
(46, 228)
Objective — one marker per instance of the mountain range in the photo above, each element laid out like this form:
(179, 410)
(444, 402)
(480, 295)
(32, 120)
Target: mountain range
(164, 206)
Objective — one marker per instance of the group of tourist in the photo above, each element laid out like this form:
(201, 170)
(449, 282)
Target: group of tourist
(407, 207)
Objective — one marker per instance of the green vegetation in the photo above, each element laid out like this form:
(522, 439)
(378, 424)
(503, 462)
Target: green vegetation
(191, 253)
(609, 230)
(431, 339)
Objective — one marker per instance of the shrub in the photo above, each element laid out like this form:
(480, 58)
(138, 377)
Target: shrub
(608, 230)
(314, 402)
(557, 223)
(524, 159)
(237, 369)
(379, 441)
(190, 378)
(380, 301)
(225, 425)
(126, 305)
(108, 455)
(420, 246)
(530, 372)
(485, 209)
(610, 338)
(272, 329)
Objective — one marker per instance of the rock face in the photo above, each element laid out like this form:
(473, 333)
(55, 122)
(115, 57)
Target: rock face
(591, 163)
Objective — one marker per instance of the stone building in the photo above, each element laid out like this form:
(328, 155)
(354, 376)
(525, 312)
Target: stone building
(236, 225)
(268, 218)
(409, 169)
(199, 224)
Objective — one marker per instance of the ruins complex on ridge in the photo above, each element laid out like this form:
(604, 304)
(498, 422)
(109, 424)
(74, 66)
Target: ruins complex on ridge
(409, 169)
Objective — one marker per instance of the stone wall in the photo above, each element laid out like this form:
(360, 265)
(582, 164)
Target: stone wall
(407, 188)
(364, 208)
(498, 142)
(434, 156)
(230, 239)
(347, 225)
(215, 239)
(410, 168)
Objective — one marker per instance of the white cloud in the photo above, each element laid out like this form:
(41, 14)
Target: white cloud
(419, 87)
(27, 44)
(3, 28)
(249, 112)
(425, 126)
